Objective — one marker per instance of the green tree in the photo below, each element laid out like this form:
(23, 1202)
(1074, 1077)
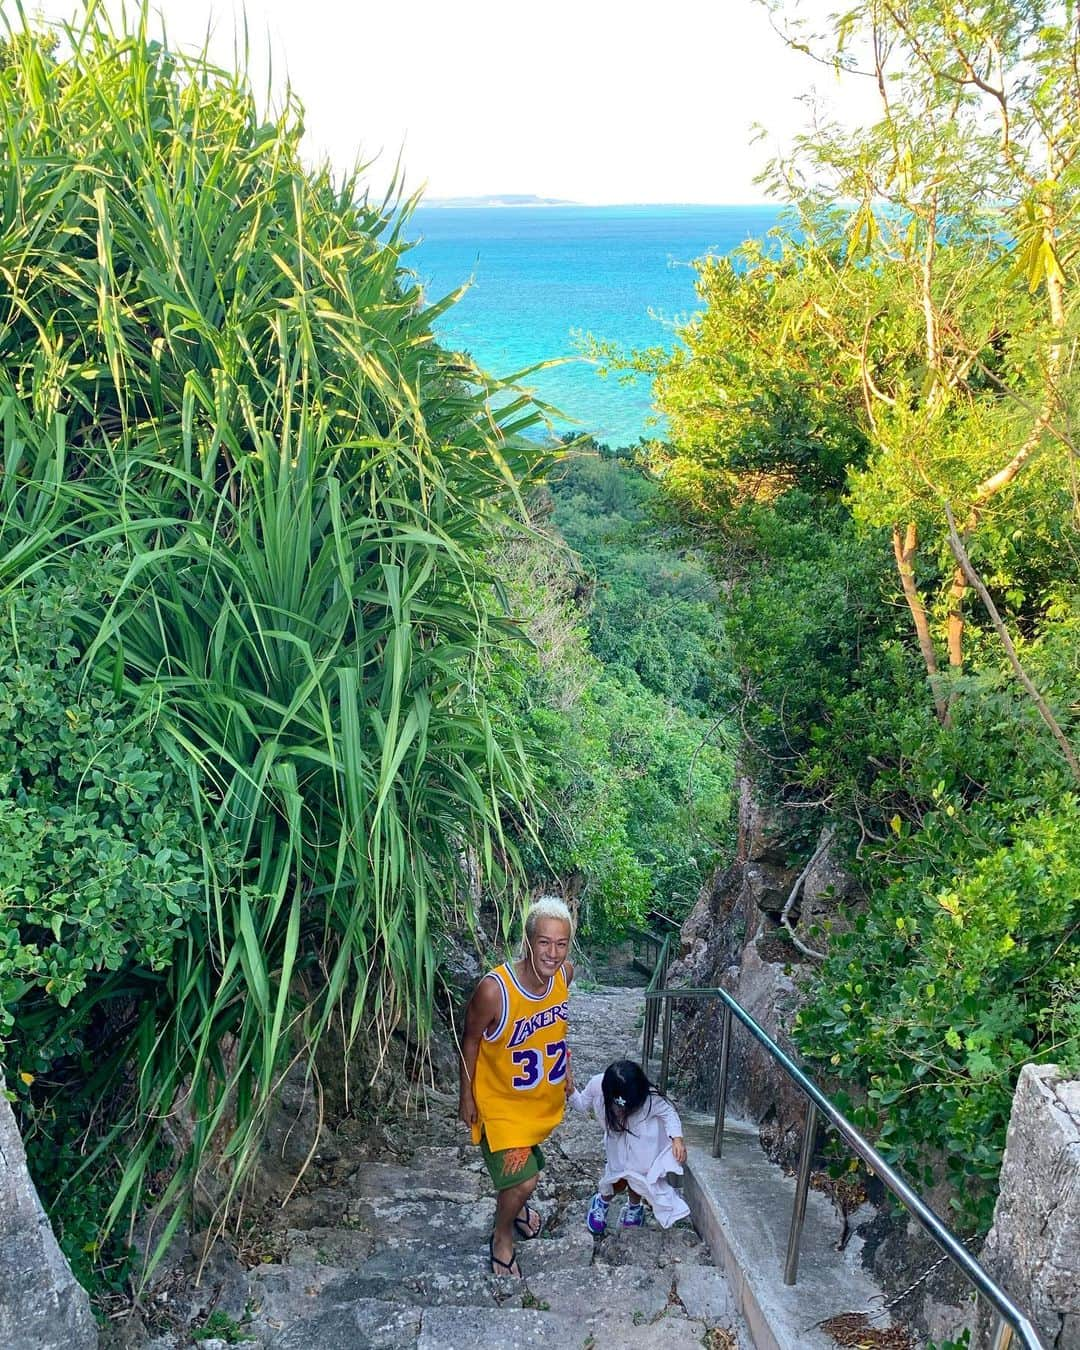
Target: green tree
(870, 416)
(965, 190)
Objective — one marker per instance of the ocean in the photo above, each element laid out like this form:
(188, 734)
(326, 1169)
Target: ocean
(544, 276)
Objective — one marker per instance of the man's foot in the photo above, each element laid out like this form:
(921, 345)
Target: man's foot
(633, 1216)
(597, 1216)
(505, 1268)
(528, 1222)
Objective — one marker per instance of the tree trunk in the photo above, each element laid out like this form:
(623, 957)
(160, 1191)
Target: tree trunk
(957, 592)
(904, 551)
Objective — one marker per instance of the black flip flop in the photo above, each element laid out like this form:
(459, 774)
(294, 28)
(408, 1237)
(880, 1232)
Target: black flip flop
(505, 1267)
(523, 1226)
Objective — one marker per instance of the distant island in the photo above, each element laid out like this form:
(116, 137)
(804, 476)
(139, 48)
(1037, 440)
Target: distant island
(499, 199)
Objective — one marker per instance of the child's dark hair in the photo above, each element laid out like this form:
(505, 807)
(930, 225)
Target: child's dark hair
(625, 1088)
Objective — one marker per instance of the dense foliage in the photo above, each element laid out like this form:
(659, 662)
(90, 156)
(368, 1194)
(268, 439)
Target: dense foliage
(98, 844)
(246, 512)
(634, 765)
(871, 425)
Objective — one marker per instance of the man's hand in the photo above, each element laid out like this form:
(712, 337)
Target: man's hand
(678, 1148)
(467, 1109)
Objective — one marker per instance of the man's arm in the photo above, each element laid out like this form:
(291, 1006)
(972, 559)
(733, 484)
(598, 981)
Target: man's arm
(568, 971)
(482, 1012)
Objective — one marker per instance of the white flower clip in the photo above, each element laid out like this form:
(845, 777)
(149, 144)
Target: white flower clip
(619, 1101)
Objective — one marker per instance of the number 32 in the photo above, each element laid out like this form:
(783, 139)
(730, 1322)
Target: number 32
(531, 1064)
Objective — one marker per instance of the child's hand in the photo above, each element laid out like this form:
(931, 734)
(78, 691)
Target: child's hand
(678, 1148)
(568, 1081)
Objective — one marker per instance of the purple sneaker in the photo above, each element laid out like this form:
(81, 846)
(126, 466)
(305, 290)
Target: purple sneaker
(597, 1216)
(633, 1216)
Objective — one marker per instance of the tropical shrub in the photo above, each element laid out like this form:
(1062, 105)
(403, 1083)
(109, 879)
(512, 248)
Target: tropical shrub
(217, 368)
(640, 797)
(635, 782)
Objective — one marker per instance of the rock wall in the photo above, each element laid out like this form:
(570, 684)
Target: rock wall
(42, 1307)
(734, 938)
(1033, 1249)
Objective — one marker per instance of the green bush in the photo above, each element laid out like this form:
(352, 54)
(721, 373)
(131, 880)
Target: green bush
(943, 991)
(633, 764)
(99, 852)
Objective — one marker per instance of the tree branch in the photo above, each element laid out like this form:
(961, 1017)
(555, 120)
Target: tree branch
(976, 582)
(785, 916)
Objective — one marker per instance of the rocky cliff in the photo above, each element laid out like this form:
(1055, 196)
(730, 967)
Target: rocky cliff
(735, 937)
(1034, 1246)
(41, 1305)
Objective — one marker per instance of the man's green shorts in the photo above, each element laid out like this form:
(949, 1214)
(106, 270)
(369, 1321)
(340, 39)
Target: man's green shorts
(508, 1166)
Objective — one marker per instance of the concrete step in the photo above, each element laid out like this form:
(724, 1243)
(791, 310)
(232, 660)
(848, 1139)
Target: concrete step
(741, 1204)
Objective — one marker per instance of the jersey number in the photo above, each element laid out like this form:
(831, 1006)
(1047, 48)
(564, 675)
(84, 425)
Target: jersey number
(531, 1063)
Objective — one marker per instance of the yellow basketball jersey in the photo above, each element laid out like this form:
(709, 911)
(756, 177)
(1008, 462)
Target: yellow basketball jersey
(521, 1067)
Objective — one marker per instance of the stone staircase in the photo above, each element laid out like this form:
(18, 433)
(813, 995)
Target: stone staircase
(392, 1253)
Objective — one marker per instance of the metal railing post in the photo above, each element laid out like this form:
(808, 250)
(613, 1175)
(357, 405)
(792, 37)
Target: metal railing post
(721, 1087)
(802, 1186)
(665, 1052)
(1014, 1328)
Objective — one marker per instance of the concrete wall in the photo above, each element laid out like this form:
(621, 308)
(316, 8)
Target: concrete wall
(42, 1307)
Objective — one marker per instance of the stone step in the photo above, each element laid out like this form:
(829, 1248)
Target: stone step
(506, 1328)
(653, 1246)
(516, 1329)
(381, 1303)
(445, 1179)
(440, 1275)
(363, 1324)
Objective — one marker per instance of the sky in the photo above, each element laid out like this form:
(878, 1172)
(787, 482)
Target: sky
(598, 101)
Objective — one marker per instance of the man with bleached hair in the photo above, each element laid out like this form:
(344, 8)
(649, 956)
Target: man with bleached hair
(513, 1070)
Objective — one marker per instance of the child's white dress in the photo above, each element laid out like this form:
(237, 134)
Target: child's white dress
(642, 1153)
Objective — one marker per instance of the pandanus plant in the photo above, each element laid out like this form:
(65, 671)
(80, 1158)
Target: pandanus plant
(217, 373)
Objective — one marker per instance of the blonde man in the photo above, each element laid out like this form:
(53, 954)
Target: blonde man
(513, 1070)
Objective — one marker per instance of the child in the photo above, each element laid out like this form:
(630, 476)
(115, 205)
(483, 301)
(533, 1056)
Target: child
(642, 1142)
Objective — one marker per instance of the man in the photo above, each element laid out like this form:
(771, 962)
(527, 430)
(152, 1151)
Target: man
(513, 1067)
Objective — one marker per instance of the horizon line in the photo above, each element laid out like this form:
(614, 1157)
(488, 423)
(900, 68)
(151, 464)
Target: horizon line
(509, 200)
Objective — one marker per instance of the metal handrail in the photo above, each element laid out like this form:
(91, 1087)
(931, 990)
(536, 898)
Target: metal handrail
(652, 1009)
(648, 946)
(1010, 1318)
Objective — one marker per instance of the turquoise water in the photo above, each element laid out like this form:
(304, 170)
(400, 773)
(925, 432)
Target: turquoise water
(542, 275)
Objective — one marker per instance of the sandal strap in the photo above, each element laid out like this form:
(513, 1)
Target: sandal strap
(524, 1222)
(508, 1266)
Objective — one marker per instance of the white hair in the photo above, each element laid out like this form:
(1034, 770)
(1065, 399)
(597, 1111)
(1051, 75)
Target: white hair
(547, 907)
